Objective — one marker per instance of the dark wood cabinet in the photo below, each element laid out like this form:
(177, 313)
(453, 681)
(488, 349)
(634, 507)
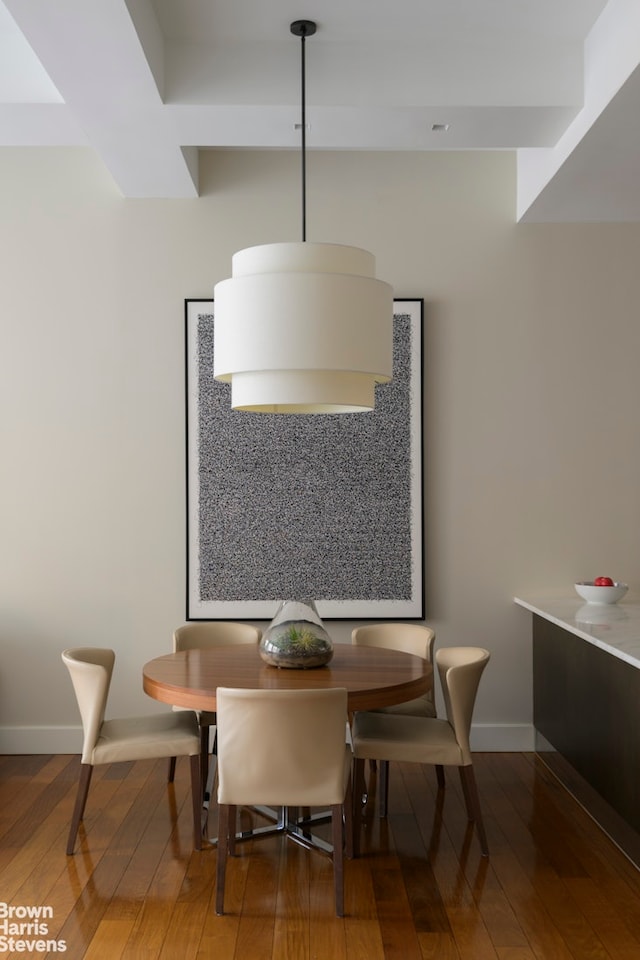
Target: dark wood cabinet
(587, 706)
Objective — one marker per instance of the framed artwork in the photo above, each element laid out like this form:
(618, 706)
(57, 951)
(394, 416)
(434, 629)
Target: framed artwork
(324, 507)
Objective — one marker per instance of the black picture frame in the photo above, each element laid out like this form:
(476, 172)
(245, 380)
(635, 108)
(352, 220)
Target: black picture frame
(325, 507)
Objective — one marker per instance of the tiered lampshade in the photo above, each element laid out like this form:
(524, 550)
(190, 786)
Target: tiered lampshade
(303, 328)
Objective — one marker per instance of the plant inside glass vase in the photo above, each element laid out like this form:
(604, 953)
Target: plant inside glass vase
(296, 643)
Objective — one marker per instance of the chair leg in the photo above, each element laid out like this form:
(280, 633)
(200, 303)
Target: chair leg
(233, 821)
(348, 820)
(384, 788)
(86, 770)
(204, 759)
(337, 836)
(358, 790)
(196, 801)
(468, 800)
(204, 756)
(472, 800)
(223, 849)
(440, 776)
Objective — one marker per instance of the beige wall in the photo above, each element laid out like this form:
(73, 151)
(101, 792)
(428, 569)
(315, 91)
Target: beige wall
(531, 402)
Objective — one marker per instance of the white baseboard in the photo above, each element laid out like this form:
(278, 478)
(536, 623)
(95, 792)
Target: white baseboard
(29, 740)
(485, 737)
(503, 737)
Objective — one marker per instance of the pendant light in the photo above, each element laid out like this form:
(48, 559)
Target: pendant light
(303, 327)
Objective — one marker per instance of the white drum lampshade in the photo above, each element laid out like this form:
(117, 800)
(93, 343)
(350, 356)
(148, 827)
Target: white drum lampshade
(303, 328)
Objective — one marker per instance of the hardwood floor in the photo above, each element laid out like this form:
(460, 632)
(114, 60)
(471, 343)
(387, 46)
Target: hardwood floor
(553, 888)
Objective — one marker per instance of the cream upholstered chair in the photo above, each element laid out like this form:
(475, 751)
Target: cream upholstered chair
(412, 638)
(196, 636)
(132, 738)
(282, 748)
(415, 638)
(378, 736)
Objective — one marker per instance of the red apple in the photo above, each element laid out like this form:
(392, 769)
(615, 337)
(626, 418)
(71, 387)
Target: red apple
(603, 582)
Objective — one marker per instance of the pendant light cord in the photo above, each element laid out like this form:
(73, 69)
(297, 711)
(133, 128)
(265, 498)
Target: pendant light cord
(303, 29)
(303, 101)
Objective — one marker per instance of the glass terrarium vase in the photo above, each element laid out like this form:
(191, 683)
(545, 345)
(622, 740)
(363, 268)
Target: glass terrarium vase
(296, 638)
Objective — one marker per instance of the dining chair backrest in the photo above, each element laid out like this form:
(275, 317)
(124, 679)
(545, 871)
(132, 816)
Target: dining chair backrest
(281, 747)
(460, 669)
(200, 634)
(414, 638)
(91, 669)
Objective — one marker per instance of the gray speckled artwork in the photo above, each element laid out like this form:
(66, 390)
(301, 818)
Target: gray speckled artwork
(323, 506)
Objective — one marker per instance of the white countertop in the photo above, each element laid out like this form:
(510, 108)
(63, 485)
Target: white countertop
(613, 627)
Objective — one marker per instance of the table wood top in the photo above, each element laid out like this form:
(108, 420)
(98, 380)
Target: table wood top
(373, 677)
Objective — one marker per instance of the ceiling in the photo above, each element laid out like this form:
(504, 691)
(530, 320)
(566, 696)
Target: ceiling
(150, 83)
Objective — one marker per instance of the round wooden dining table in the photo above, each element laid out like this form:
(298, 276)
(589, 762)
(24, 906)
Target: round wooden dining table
(372, 677)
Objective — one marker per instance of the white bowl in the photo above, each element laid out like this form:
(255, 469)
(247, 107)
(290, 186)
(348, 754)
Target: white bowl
(592, 594)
